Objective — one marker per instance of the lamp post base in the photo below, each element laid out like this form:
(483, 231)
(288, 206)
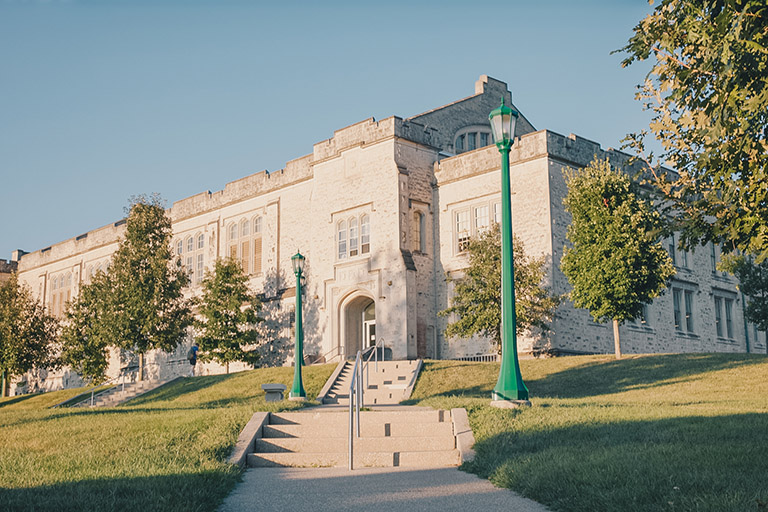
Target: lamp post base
(297, 398)
(510, 404)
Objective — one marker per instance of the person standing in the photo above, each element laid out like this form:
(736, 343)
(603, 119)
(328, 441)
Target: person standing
(192, 357)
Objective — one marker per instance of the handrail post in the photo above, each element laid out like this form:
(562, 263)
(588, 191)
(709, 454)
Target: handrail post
(351, 427)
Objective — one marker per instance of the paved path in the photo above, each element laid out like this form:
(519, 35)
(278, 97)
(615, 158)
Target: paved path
(370, 489)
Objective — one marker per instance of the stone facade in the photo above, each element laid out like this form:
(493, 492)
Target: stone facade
(6, 268)
(376, 210)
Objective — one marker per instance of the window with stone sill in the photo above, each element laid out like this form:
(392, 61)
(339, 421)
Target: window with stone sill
(353, 236)
(473, 220)
(683, 309)
(724, 316)
(244, 244)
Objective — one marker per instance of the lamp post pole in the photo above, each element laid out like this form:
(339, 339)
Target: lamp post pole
(510, 390)
(297, 392)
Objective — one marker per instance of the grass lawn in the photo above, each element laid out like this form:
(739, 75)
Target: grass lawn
(165, 451)
(647, 433)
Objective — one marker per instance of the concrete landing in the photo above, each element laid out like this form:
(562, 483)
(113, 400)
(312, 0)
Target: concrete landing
(370, 489)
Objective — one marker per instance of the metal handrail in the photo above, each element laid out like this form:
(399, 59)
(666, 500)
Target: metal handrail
(375, 354)
(355, 399)
(325, 356)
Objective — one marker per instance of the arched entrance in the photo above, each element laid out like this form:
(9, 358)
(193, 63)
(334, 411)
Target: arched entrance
(358, 320)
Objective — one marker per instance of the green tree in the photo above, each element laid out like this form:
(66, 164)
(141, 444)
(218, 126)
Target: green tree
(27, 332)
(138, 305)
(477, 296)
(753, 282)
(616, 262)
(227, 316)
(708, 94)
(86, 335)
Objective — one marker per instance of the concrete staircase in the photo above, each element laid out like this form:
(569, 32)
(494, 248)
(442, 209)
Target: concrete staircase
(119, 394)
(391, 383)
(403, 436)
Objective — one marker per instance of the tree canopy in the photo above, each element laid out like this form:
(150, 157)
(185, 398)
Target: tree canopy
(477, 296)
(708, 94)
(753, 282)
(227, 316)
(138, 304)
(615, 263)
(27, 333)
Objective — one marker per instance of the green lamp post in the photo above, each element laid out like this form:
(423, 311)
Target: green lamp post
(510, 390)
(297, 392)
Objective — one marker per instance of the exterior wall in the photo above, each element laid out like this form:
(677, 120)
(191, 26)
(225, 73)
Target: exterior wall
(395, 172)
(6, 268)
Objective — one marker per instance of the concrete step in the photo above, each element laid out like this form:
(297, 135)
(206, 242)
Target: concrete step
(376, 430)
(364, 444)
(366, 417)
(423, 459)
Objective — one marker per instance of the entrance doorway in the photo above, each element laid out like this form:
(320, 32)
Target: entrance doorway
(369, 325)
(358, 324)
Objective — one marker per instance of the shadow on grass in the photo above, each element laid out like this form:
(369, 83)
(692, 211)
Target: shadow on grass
(180, 388)
(615, 376)
(590, 378)
(178, 492)
(687, 463)
(16, 399)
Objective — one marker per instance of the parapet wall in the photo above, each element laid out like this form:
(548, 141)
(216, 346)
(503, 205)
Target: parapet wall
(295, 171)
(572, 150)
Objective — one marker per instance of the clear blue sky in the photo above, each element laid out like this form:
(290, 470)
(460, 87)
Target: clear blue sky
(102, 100)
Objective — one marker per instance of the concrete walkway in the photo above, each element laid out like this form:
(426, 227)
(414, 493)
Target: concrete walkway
(370, 489)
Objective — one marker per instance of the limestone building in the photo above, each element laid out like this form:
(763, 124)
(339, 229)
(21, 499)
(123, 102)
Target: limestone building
(382, 211)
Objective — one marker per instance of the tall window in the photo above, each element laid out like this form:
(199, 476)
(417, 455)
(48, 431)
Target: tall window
(61, 290)
(365, 234)
(688, 310)
(418, 241)
(719, 316)
(342, 239)
(244, 244)
(197, 276)
(353, 236)
(672, 251)
(257, 256)
(683, 309)
(463, 233)
(481, 218)
(724, 316)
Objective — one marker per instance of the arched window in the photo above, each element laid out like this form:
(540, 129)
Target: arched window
(342, 239)
(365, 234)
(353, 236)
(257, 225)
(190, 244)
(180, 247)
(245, 228)
(200, 241)
(233, 232)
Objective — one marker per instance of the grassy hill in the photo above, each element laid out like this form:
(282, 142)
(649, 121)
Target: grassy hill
(647, 433)
(161, 452)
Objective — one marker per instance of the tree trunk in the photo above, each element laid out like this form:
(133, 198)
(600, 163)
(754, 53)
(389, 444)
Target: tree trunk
(616, 340)
(227, 368)
(141, 367)
(4, 384)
